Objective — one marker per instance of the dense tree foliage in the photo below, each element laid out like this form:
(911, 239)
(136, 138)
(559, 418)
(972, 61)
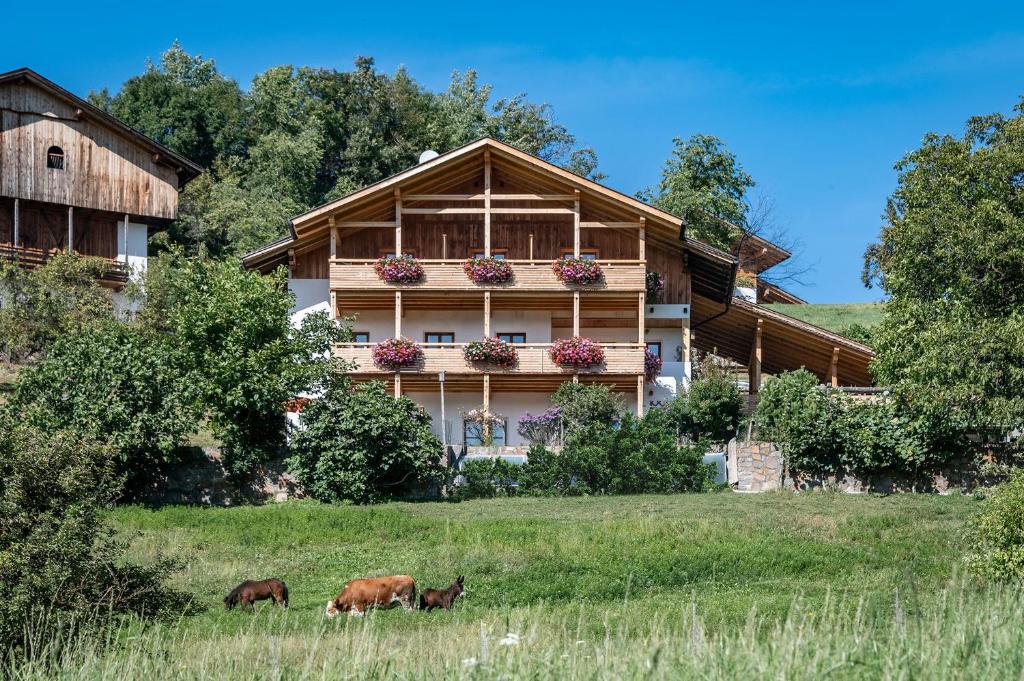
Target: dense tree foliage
(704, 183)
(60, 564)
(361, 444)
(710, 407)
(586, 405)
(996, 533)
(951, 258)
(301, 136)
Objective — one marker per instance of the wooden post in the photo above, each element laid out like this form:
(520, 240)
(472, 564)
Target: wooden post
(398, 223)
(398, 314)
(487, 314)
(640, 396)
(687, 341)
(531, 248)
(487, 203)
(576, 226)
(71, 228)
(834, 369)
(334, 305)
(640, 320)
(754, 370)
(398, 385)
(334, 237)
(444, 246)
(17, 213)
(643, 239)
(487, 392)
(575, 313)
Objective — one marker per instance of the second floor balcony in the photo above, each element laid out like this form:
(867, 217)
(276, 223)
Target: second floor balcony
(620, 359)
(112, 273)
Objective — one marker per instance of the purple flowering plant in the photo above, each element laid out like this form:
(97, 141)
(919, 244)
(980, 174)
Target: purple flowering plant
(652, 365)
(542, 428)
(488, 270)
(491, 351)
(577, 271)
(396, 353)
(403, 269)
(576, 352)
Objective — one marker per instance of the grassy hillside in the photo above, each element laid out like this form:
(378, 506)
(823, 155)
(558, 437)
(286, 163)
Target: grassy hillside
(715, 586)
(835, 317)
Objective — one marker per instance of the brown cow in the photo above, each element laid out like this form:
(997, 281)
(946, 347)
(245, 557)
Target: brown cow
(359, 595)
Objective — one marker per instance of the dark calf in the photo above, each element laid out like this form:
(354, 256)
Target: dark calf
(437, 598)
(249, 591)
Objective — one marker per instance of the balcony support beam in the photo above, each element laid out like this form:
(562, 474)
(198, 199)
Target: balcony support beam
(640, 330)
(398, 385)
(398, 314)
(575, 313)
(640, 395)
(834, 368)
(754, 370)
(576, 225)
(642, 238)
(487, 314)
(125, 259)
(71, 229)
(487, 203)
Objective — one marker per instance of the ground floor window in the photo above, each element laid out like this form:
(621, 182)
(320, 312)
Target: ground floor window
(473, 435)
(439, 337)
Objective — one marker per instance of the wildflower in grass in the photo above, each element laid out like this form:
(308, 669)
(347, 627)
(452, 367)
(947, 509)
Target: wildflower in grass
(576, 352)
(396, 353)
(488, 270)
(577, 271)
(403, 269)
(491, 351)
(655, 286)
(652, 365)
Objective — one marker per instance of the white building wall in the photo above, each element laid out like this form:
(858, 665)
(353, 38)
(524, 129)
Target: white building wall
(133, 251)
(311, 295)
(510, 405)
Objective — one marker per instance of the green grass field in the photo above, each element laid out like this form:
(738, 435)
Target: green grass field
(715, 585)
(834, 317)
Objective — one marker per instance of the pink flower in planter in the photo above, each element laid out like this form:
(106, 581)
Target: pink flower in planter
(396, 353)
(652, 365)
(488, 270)
(655, 285)
(404, 269)
(491, 351)
(576, 352)
(577, 271)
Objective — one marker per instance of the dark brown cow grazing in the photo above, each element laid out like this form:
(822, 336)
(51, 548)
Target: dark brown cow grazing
(359, 595)
(249, 591)
(436, 598)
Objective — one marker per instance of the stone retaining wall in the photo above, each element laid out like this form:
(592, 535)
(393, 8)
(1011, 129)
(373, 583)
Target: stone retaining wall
(201, 479)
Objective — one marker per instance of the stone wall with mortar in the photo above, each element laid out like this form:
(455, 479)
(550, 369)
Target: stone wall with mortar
(201, 479)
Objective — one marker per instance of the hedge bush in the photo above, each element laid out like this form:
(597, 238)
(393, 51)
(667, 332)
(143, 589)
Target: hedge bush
(996, 533)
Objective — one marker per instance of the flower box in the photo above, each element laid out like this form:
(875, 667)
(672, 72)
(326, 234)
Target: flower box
(652, 365)
(655, 286)
(577, 271)
(576, 352)
(404, 269)
(488, 270)
(491, 351)
(396, 353)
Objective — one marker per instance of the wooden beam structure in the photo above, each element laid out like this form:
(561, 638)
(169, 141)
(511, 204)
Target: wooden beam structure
(640, 396)
(17, 215)
(398, 314)
(576, 225)
(71, 229)
(487, 203)
(487, 314)
(642, 237)
(398, 223)
(834, 368)
(754, 368)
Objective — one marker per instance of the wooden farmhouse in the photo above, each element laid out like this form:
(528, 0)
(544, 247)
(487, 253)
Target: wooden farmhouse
(73, 179)
(490, 199)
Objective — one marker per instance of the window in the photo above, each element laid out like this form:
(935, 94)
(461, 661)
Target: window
(585, 253)
(513, 337)
(439, 337)
(654, 347)
(55, 158)
(405, 251)
(496, 254)
(362, 336)
(472, 433)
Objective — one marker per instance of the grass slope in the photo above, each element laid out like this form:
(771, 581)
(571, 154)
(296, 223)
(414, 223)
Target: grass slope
(715, 585)
(834, 317)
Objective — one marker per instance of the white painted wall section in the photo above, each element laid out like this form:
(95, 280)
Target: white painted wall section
(311, 295)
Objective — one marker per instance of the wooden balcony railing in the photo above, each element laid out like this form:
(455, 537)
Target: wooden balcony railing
(527, 275)
(620, 358)
(115, 272)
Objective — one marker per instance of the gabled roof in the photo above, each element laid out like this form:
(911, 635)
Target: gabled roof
(186, 169)
(713, 269)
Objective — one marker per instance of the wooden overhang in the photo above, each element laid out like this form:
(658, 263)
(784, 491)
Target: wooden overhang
(786, 343)
(713, 271)
(186, 170)
(758, 254)
(770, 293)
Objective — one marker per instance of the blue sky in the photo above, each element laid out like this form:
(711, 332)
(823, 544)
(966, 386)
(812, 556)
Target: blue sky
(818, 100)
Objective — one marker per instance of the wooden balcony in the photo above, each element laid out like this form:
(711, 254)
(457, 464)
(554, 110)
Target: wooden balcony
(115, 274)
(448, 275)
(620, 359)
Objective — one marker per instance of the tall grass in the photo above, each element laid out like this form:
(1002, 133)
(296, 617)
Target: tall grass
(964, 634)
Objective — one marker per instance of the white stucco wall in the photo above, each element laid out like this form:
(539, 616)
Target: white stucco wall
(311, 295)
(133, 251)
(467, 325)
(510, 405)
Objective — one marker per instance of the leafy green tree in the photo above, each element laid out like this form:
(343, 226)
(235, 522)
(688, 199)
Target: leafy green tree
(361, 444)
(585, 406)
(711, 406)
(703, 183)
(236, 349)
(114, 384)
(43, 304)
(951, 258)
(996, 533)
(60, 563)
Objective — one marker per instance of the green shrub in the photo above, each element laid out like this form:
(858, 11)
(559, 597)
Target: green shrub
(803, 420)
(59, 561)
(585, 405)
(361, 444)
(711, 407)
(487, 478)
(997, 532)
